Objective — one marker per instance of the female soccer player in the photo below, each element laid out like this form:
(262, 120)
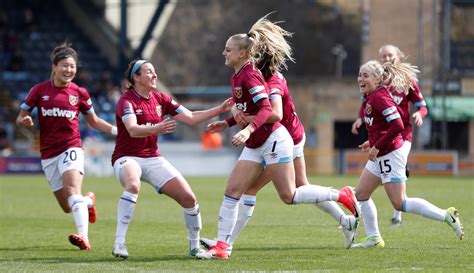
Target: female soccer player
(391, 53)
(141, 116)
(387, 151)
(264, 142)
(59, 102)
(275, 51)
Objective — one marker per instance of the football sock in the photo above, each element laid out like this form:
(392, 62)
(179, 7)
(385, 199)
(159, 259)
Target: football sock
(369, 216)
(333, 209)
(424, 208)
(245, 210)
(126, 207)
(80, 213)
(314, 194)
(397, 214)
(88, 201)
(192, 218)
(227, 218)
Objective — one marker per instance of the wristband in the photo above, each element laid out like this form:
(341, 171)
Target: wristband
(113, 131)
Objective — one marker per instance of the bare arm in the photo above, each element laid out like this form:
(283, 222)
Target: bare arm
(166, 126)
(24, 119)
(195, 117)
(99, 124)
(277, 114)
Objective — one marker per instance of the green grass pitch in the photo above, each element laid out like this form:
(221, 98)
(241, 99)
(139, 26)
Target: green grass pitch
(34, 231)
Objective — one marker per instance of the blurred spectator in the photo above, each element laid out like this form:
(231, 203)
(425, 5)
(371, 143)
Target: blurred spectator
(29, 23)
(6, 149)
(84, 79)
(10, 41)
(103, 84)
(113, 94)
(17, 61)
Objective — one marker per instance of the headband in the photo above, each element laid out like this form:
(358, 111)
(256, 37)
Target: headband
(136, 66)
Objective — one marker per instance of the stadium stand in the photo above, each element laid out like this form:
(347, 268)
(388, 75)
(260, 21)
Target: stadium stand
(27, 38)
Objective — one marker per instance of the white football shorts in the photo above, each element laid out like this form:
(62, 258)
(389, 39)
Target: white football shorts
(71, 159)
(391, 167)
(278, 148)
(298, 149)
(156, 171)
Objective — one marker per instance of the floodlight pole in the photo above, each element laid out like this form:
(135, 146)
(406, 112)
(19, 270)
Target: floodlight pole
(445, 69)
(123, 35)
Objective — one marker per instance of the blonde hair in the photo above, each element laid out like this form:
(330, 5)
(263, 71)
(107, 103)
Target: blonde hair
(265, 45)
(400, 76)
(401, 56)
(272, 51)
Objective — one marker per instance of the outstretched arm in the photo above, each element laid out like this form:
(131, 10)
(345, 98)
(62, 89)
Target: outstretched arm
(101, 125)
(195, 117)
(166, 126)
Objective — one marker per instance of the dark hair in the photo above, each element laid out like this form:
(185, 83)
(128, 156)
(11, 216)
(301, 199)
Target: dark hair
(132, 69)
(63, 51)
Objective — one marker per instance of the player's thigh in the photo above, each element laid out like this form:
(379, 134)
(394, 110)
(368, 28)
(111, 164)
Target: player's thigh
(260, 182)
(243, 174)
(367, 184)
(128, 172)
(283, 177)
(396, 193)
(178, 189)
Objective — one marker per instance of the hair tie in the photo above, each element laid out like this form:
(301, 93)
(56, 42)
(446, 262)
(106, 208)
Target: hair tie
(135, 68)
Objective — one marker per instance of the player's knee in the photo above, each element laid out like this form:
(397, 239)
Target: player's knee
(188, 202)
(362, 195)
(287, 198)
(398, 205)
(66, 209)
(133, 187)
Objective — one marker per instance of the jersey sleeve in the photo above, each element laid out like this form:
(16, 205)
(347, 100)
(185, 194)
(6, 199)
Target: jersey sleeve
(85, 102)
(415, 97)
(31, 100)
(387, 107)
(256, 87)
(276, 90)
(231, 121)
(125, 109)
(171, 107)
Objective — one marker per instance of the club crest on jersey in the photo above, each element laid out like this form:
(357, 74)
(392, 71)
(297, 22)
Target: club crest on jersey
(73, 100)
(238, 92)
(368, 109)
(158, 110)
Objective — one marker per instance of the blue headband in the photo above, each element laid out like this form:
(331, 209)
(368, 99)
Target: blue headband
(136, 66)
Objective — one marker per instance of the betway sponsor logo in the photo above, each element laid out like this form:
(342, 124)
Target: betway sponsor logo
(149, 124)
(58, 112)
(368, 120)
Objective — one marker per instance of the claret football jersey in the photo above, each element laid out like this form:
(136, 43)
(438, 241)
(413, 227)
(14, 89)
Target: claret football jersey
(148, 112)
(248, 89)
(58, 115)
(278, 87)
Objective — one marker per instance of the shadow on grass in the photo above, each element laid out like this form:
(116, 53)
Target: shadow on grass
(88, 259)
(92, 257)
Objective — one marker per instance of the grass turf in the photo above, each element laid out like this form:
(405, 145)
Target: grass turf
(278, 238)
